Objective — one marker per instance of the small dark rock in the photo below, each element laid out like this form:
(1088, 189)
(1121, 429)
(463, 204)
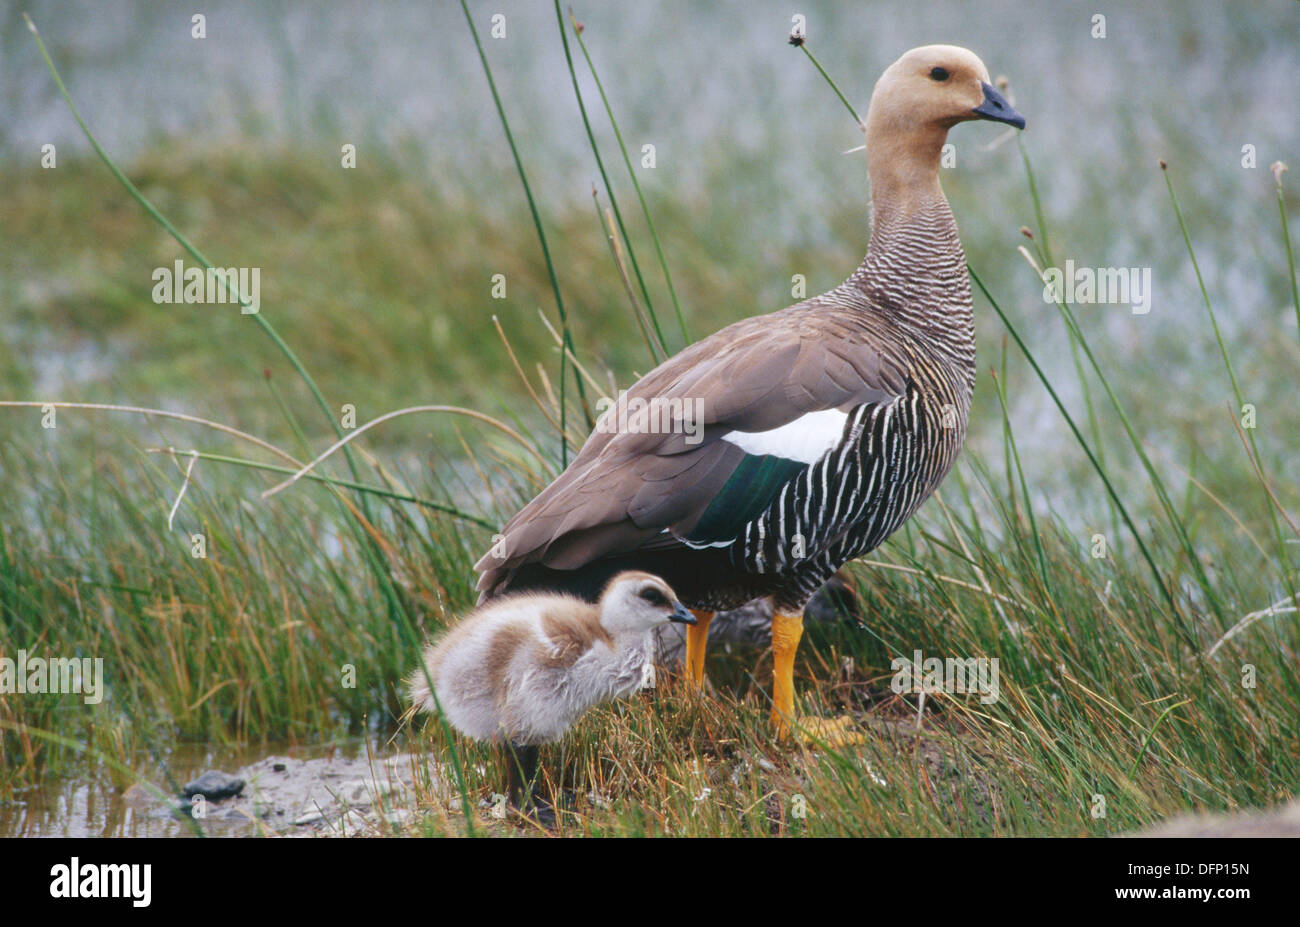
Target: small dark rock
(214, 785)
(278, 767)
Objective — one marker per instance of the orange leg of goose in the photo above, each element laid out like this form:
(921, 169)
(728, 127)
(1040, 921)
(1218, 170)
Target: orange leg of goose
(836, 732)
(696, 636)
(786, 631)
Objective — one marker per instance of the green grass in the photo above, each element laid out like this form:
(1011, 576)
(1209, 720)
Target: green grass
(1107, 686)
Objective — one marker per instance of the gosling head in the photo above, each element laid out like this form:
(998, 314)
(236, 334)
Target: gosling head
(637, 602)
(939, 86)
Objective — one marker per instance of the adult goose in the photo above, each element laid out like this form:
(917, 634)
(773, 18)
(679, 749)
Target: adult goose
(759, 460)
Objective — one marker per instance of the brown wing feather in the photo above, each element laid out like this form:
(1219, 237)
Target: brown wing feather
(623, 489)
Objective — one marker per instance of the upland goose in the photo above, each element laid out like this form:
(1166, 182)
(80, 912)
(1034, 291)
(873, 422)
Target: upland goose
(821, 427)
(523, 668)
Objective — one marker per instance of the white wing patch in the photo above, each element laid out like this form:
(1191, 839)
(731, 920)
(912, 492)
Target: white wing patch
(805, 439)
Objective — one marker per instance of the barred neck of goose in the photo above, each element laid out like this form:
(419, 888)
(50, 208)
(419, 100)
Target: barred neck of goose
(914, 272)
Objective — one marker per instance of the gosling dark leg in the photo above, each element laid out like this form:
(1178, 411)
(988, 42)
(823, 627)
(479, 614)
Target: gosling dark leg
(521, 773)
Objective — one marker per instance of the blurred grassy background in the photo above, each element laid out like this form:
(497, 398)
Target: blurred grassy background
(380, 276)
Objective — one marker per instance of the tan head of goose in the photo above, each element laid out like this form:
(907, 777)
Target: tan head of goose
(524, 668)
(823, 426)
(916, 101)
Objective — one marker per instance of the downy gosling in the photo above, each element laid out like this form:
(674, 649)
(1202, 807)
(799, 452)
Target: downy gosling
(523, 668)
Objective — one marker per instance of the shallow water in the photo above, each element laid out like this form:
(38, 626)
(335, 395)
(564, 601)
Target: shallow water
(83, 802)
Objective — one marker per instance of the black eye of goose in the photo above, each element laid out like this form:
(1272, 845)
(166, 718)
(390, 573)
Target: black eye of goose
(654, 595)
(939, 74)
